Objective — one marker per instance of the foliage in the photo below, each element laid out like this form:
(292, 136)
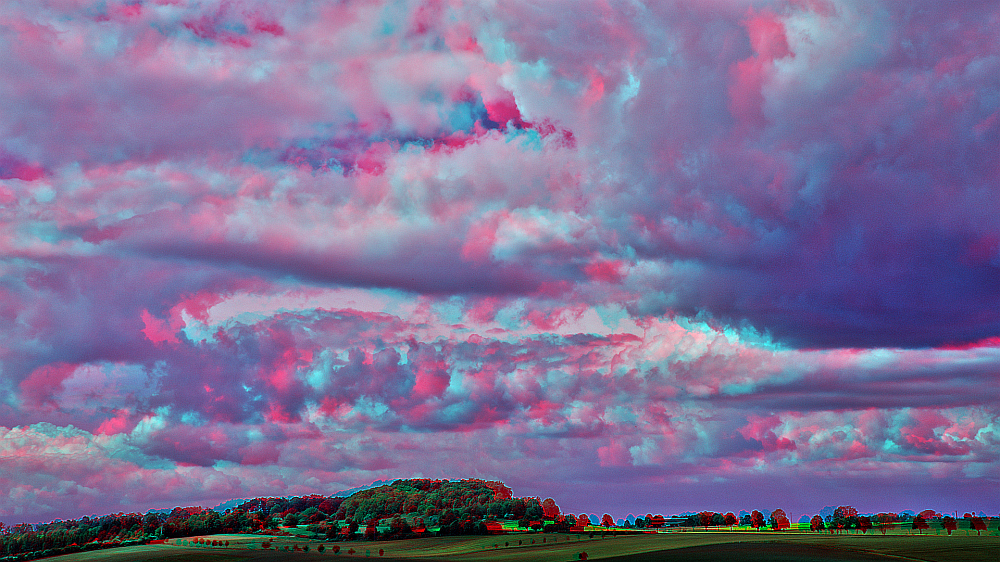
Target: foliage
(845, 512)
(466, 499)
(730, 519)
(886, 521)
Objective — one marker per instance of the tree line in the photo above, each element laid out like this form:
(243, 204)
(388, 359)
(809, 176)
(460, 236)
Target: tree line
(404, 509)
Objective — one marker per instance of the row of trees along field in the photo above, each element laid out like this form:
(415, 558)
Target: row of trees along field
(846, 519)
(409, 508)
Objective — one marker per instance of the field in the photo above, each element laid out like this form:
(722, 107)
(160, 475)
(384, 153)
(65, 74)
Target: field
(691, 546)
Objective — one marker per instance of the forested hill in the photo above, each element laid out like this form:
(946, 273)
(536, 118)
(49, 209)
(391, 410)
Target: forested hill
(466, 498)
(469, 498)
(442, 502)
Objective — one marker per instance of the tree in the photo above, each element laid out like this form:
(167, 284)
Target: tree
(756, 520)
(780, 520)
(978, 524)
(607, 521)
(658, 521)
(534, 510)
(448, 517)
(886, 521)
(845, 511)
(864, 523)
(948, 524)
(816, 523)
(583, 520)
(332, 529)
(550, 509)
(398, 527)
(730, 520)
(920, 524)
(705, 518)
(718, 520)
(292, 519)
(352, 529)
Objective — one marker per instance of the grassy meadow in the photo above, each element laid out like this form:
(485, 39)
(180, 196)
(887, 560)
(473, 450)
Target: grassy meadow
(687, 546)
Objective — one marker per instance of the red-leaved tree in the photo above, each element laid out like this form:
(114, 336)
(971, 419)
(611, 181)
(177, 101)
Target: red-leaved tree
(730, 520)
(549, 509)
(779, 520)
(706, 518)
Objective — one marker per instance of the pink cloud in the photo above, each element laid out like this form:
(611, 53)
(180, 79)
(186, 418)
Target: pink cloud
(750, 75)
(158, 331)
(761, 429)
(44, 382)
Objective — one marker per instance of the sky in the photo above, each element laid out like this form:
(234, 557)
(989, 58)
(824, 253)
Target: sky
(640, 257)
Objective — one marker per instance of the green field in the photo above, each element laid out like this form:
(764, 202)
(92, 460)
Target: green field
(690, 546)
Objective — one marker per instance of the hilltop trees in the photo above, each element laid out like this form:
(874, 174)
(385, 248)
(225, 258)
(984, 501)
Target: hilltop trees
(467, 499)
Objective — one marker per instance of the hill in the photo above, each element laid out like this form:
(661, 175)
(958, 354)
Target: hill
(452, 507)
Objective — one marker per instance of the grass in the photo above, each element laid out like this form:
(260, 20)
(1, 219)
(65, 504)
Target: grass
(689, 546)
